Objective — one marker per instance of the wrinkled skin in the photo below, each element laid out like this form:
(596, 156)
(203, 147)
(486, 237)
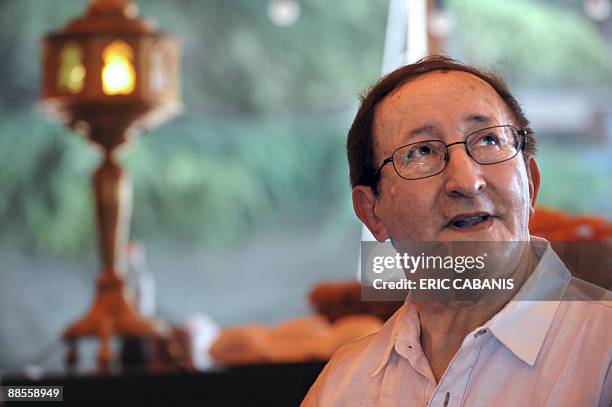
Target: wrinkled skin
(451, 105)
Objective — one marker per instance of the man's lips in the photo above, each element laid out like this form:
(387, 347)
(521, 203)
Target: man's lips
(470, 220)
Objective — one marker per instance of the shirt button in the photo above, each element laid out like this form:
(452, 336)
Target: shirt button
(481, 332)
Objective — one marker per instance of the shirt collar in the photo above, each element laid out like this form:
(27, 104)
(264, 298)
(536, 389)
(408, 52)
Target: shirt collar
(405, 330)
(521, 325)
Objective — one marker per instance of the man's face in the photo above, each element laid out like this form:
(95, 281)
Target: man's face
(467, 201)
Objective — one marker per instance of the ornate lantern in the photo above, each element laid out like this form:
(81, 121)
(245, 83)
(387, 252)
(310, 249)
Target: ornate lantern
(109, 74)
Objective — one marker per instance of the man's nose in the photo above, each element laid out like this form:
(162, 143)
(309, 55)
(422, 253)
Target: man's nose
(463, 174)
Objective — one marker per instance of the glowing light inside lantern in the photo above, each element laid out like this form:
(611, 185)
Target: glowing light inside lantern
(71, 73)
(118, 75)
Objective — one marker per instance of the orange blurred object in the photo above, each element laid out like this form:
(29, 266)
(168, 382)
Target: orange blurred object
(554, 224)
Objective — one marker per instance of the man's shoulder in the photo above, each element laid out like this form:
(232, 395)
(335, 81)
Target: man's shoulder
(347, 355)
(581, 291)
(366, 350)
(351, 366)
(587, 307)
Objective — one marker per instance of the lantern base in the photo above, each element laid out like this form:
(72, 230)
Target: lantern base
(111, 314)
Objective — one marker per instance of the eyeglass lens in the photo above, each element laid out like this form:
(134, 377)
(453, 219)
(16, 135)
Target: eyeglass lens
(426, 158)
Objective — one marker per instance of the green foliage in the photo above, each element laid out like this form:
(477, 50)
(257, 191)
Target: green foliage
(576, 179)
(256, 148)
(213, 181)
(261, 144)
(534, 43)
(227, 178)
(236, 61)
(44, 193)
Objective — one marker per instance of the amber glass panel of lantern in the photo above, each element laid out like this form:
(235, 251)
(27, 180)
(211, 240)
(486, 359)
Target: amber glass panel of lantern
(71, 73)
(118, 74)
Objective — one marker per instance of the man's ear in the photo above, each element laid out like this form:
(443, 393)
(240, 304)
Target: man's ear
(533, 176)
(364, 204)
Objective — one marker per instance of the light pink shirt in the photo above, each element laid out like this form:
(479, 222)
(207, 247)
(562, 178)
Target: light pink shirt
(532, 353)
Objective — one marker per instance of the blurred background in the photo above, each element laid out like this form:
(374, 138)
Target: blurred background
(242, 203)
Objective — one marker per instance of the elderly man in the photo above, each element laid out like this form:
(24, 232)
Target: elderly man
(441, 151)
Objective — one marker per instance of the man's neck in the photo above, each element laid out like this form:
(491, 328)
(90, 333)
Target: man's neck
(444, 325)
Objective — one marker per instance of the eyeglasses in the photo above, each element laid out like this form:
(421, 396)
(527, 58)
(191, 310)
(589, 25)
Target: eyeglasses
(427, 158)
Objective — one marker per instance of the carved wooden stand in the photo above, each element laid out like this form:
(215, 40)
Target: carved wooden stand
(111, 313)
(151, 59)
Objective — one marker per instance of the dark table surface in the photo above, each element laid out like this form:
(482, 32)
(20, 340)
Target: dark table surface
(257, 385)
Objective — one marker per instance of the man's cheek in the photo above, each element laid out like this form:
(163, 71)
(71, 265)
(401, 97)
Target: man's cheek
(518, 200)
(394, 191)
(516, 180)
(410, 221)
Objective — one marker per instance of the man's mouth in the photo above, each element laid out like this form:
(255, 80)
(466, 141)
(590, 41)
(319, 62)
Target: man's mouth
(466, 222)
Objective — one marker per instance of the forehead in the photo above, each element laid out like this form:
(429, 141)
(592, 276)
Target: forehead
(446, 103)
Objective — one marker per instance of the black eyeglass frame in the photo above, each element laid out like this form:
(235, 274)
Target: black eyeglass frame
(522, 133)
